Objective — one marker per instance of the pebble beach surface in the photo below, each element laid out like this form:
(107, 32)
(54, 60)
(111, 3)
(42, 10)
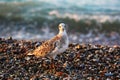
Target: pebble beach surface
(78, 62)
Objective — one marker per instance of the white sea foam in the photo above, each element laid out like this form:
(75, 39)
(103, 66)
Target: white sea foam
(73, 9)
(86, 10)
(100, 18)
(90, 37)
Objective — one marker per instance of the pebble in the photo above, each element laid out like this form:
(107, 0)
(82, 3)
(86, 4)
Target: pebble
(27, 58)
(109, 74)
(78, 62)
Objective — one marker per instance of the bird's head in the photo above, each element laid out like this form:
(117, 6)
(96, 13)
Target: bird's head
(61, 27)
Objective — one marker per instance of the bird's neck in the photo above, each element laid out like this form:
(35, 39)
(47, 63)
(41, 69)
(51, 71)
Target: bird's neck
(62, 33)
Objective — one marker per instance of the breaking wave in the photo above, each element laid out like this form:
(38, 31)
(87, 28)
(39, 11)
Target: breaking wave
(87, 20)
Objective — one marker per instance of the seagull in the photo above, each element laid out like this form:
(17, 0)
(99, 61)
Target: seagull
(54, 46)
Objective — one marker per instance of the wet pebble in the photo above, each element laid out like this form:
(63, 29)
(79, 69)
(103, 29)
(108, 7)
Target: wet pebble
(109, 74)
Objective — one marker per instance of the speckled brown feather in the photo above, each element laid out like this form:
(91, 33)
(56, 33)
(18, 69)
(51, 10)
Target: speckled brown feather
(47, 47)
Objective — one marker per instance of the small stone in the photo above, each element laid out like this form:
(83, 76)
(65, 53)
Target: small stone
(108, 79)
(116, 46)
(77, 47)
(27, 58)
(96, 60)
(109, 74)
(3, 59)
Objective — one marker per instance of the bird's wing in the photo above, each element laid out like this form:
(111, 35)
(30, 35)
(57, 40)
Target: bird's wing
(47, 47)
(57, 46)
(44, 49)
(55, 49)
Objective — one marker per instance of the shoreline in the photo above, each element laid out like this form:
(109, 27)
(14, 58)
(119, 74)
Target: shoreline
(79, 61)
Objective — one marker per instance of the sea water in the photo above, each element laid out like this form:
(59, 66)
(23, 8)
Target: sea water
(90, 20)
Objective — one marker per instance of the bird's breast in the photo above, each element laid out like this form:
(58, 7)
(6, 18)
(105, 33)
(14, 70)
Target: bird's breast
(64, 43)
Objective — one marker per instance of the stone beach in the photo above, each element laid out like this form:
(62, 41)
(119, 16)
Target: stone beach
(78, 62)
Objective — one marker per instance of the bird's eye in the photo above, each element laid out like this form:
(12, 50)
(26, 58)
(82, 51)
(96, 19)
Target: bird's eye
(59, 26)
(63, 29)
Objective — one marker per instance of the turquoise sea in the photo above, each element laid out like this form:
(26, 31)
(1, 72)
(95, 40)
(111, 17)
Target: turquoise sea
(92, 21)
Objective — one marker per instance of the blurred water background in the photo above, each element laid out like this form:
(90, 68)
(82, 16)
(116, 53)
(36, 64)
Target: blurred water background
(88, 21)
